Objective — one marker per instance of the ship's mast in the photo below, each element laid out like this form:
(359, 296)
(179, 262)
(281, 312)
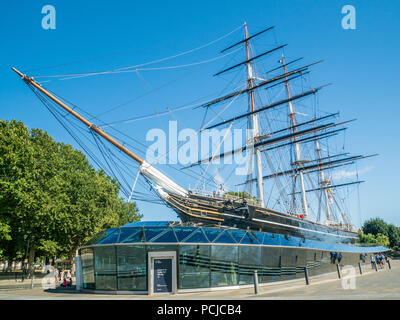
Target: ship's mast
(324, 183)
(254, 120)
(298, 163)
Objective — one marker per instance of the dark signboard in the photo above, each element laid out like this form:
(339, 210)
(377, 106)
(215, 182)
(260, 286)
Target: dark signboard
(162, 275)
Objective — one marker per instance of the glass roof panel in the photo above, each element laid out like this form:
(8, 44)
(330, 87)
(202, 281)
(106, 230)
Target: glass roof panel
(168, 236)
(259, 236)
(148, 224)
(183, 232)
(101, 235)
(197, 237)
(225, 237)
(249, 239)
(212, 233)
(169, 232)
(151, 232)
(137, 236)
(237, 234)
(125, 232)
(111, 237)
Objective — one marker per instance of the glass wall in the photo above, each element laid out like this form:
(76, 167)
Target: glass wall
(288, 263)
(301, 262)
(194, 266)
(105, 268)
(224, 265)
(271, 268)
(87, 268)
(124, 267)
(249, 261)
(131, 268)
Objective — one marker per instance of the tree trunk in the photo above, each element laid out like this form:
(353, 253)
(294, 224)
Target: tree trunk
(31, 260)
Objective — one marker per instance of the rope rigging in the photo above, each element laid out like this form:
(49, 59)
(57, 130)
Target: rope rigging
(286, 162)
(107, 154)
(128, 68)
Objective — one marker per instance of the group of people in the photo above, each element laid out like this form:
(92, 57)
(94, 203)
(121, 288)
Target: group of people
(64, 277)
(378, 261)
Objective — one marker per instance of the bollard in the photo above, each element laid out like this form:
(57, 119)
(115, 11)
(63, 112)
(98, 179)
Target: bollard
(359, 266)
(306, 276)
(338, 271)
(32, 280)
(388, 262)
(255, 282)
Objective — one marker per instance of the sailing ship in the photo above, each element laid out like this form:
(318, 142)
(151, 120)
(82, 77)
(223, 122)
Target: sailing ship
(251, 212)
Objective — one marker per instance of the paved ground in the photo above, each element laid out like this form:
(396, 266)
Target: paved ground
(384, 284)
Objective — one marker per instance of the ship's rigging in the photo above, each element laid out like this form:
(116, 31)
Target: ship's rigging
(277, 135)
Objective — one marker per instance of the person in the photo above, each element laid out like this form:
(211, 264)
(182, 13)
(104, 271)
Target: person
(23, 272)
(65, 283)
(333, 257)
(383, 260)
(339, 257)
(363, 256)
(388, 261)
(371, 258)
(378, 260)
(62, 274)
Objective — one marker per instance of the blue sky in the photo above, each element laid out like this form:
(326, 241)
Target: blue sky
(362, 64)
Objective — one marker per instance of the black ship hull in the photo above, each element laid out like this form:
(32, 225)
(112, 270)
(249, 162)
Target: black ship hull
(212, 211)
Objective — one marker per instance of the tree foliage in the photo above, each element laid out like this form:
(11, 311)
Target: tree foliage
(381, 231)
(240, 194)
(379, 239)
(51, 197)
(375, 226)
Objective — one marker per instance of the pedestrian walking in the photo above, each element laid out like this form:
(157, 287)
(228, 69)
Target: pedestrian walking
(383, 260)
(378, 261)
(372, 259)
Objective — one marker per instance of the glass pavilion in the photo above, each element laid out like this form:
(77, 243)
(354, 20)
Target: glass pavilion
(206, 257)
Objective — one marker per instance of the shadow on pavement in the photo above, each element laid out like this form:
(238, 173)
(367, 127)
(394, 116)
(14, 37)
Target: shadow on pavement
(66, 290)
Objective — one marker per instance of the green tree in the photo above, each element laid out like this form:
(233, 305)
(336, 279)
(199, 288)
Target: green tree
(394, 235)
(51, 200)
(367, 238)
(382, 239)
(378, 226)
(375, 226)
